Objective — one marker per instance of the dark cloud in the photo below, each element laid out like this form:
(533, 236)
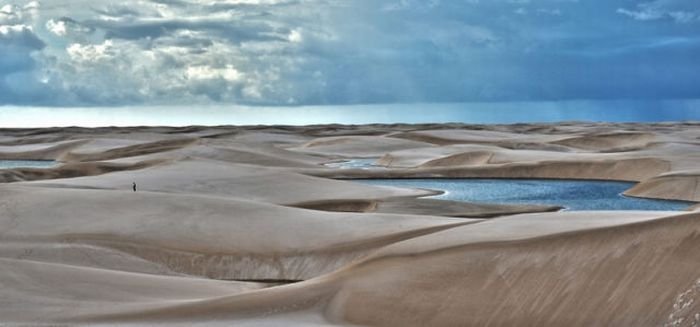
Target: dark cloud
(17, 44)
(20, 36)
(234, 31)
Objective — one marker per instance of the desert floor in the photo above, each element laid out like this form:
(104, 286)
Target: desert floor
(245, 226)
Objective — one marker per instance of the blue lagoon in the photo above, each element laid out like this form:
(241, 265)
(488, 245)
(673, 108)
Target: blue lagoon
(570, 194)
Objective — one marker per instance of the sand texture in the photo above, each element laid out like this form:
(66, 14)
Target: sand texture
(248, 226)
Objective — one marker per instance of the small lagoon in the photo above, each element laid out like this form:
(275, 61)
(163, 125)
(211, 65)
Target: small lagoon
(571, 194)
(364, 163)
(8, 164)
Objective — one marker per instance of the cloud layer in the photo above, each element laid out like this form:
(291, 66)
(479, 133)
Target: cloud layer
(279, 52)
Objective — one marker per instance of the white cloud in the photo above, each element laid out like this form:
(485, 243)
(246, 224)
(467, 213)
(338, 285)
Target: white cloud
(14, 14)
(684, 16)
(11, 29)
(228, 73)
(680, 11)
(32, 5)
(549, 11)
(416, 4)
(9, 14)
(295, 36)
(57, 27)
(642, 14)
(90, 52)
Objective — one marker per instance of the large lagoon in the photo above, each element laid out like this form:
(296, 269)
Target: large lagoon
(570, 194)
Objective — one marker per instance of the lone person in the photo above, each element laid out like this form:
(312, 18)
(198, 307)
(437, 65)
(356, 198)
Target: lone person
(134, 186)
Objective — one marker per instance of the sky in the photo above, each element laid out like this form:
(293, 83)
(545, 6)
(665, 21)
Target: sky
(98, 53)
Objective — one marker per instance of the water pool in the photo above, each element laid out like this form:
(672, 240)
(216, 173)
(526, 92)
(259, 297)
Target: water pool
(355, 163)
(5, 164)
(571, 194)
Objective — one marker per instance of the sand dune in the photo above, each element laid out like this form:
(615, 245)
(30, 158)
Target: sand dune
(461, 136)
(129, 151)
(39, 290)
(424, 206)
(71, 170)
(629, 275)
(364, 146)
(203, 236)
(677, 186)
(244, 226)
(44, 151)
(625, 169)
(613, 142)
(208, 177)
(461, 159)
(418, 156)
(504, 272)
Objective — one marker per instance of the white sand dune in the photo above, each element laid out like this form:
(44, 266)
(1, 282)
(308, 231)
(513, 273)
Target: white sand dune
(628, 270)
(634, 274)
(208, 177)
(245, 226)
(362, 146)
(36, 290)
(223, 238)
(680, 185)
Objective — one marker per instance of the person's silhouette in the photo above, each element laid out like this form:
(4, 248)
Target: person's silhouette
(134, 186)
